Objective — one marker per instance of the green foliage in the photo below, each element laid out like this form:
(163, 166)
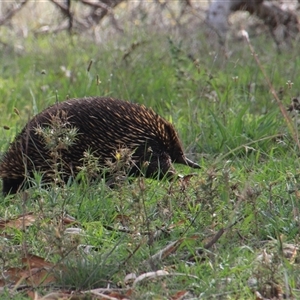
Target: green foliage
(227, 121)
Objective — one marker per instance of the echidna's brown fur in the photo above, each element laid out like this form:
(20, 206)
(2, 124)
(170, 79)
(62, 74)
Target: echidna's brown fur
(104, 125)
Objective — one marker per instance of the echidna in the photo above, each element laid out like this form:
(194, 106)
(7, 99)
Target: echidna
(103, 125)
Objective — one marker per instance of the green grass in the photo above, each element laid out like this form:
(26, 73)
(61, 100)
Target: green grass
(228, 121)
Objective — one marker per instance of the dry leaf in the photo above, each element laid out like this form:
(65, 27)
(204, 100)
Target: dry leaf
(112, 294)
(179, 295)
(34, 261)
(178, 224)
(34, 276)
(12, 275)
(38, 276)
(115, 295)
(67, 220)
(37, 270)
(21, 222)
(169, 249)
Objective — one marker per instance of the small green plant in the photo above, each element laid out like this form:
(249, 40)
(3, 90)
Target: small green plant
(57, 137)
(87, 269)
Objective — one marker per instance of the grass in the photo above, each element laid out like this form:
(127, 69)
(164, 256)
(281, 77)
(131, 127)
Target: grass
(228, 121)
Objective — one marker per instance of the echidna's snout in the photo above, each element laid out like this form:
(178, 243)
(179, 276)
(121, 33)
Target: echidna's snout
(185, 161)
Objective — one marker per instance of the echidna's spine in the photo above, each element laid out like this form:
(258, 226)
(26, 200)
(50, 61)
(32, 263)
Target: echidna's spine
(103, 125)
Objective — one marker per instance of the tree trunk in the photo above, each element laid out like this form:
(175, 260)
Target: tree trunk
(100, 12)
(283, 24)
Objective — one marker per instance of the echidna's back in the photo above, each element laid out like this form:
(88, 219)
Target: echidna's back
(104, 125)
